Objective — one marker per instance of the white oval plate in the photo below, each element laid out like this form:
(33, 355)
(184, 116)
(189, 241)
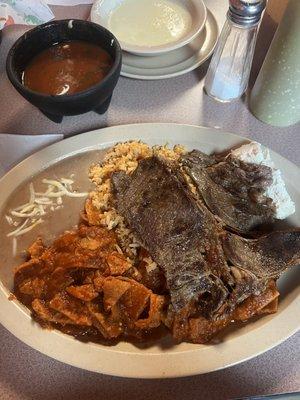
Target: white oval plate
(125, 359)
(176, 62)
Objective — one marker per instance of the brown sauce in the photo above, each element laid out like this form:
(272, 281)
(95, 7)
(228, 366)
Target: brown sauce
(84, 287)
(67, 68)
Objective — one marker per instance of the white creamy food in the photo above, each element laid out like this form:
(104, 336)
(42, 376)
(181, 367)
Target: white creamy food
(254, 153)
(149, 22)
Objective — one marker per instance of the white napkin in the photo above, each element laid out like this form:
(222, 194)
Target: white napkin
(69, 2)
(14, 148)
(31, 12)
(26, 12)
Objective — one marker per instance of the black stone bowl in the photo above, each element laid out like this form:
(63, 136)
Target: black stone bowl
(96, 98)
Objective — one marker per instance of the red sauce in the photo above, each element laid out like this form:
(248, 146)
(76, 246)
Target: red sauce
(67, 68)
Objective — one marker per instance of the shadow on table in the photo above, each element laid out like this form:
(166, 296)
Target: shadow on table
(201, 71)
(30, 117)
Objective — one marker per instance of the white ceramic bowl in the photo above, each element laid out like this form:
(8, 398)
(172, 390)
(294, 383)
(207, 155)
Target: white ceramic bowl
(103, 9)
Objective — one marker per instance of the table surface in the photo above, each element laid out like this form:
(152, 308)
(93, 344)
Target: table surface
(27, 374)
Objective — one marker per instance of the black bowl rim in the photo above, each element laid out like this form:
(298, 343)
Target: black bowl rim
(60, 98)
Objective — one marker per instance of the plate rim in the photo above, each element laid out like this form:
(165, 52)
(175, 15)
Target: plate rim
(170, 364)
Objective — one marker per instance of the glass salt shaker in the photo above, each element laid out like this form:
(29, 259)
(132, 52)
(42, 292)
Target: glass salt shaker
(228, 73)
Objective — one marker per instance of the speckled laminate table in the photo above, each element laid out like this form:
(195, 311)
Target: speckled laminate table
(26, 374)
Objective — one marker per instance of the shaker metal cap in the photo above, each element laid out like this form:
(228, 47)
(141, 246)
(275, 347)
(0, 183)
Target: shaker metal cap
(246, 12)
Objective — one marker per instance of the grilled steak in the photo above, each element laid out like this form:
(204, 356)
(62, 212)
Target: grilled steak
(232, 189)
(266, 257)
(200, 260)
(181, 235)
